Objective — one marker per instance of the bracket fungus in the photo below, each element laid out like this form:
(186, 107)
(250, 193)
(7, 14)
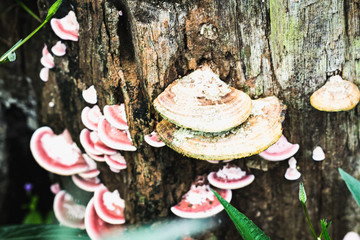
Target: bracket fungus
(336, 95)
(67, 211)
(57, 153)
(116, 162)
(59, 49)
(92, 171)
(153, 140)
(90, 95)
(44, 74)
(88, 140)
(292, 173)
(90, 117)
(66, 28)
(351, 236)
(318, 154)
(261, 130)
(116, 116)
(202, 102)
(200, 201)
(47, 60)
(230, 177)
(281, 150)
(86, 184)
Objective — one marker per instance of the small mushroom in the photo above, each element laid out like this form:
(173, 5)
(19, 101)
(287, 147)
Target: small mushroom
(67, 212)
(116, 162)
(116, 116)
(88, 140)
(292, 173)
(109, 206)
(56, 153)
(59, 49)
(98, 158)
(92, 170)
(90, 117)
(44, 74)
(55, 188)
(230, 177)
(66, 28)
(351, 236)
(336, 95)
(200, 201)
(47, 60)
(202, 102)
(281, 150)
(86, 184)
(89, 95)
(153, 140)
(113, 137)
(318, 154)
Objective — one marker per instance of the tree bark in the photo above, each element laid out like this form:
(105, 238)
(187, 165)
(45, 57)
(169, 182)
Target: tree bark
(286, 48)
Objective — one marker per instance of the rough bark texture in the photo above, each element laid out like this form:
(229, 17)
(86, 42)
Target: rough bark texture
(286, 48)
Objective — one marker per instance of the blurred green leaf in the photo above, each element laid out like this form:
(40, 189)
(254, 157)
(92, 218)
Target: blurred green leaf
(41, 232)
(246, 227)
(53, 9)
(324, 227)
(302, 193)
(352, 184)
(28, 10)
(33, 217)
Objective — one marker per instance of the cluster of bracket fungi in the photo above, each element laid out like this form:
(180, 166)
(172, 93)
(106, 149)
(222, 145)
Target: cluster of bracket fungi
(203, 118)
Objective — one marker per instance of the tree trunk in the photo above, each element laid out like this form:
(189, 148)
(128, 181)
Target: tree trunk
(286, 48)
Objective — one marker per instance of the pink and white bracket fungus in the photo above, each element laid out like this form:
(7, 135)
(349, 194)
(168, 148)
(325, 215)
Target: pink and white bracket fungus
(44, 74)
(47, 60)
(98, 158)
(88, 140)
(57, 153)
(153, 140)
(109, 205)
(230, 177)
(113, 137)
(116, 162)
(351, 236)
(116, 116)
(66, 28)
(86, 184)
(279, 151)
(89, 95)
(90, 117)
(292, 173)
(55, 188)
(67, 212)
(318, 154)
(92, 171)
(59, 49)
(97, 228)
(200, 201)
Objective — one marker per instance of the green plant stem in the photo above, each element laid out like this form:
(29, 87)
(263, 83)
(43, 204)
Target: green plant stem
(309, 221)
(28, 10)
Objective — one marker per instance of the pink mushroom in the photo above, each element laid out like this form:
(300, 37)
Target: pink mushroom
(92, 170)
(88, 140)
(67, 212)
(57, 153)
(44, 74)
(117, 162)
(153, 140)
(116, 116)
(95, 227)
(59, 49)
(66, 28)
(109, 206)
(55, 188)
(279, 151)
(200, 201)
(318, 154)
(86, 184)
(113, 137)
(292, 173)
(230, 177)
(47, 60)
(90, 117)
(89, 95)
(98, 158)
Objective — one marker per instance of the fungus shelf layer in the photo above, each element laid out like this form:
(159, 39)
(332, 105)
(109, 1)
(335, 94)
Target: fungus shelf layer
(261, 130)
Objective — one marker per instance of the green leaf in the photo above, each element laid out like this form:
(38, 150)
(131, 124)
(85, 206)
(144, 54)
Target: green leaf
(41, 232)
(352, 184)
(33, 217)
(28, 10)
(246, 227)
(53, 9)
(302, 193)
(324, 227)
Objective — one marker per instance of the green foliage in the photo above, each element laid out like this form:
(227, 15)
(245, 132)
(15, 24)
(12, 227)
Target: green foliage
(246, 227)
(41, 232)
(302, 193)
(28, 10)
(352, 184)
(324, 232)
(10, 56)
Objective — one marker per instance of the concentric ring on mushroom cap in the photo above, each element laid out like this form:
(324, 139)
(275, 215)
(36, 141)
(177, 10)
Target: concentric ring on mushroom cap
(336, 95)
(261, 130)
(67, 212)
(202, 102)
(55, 153)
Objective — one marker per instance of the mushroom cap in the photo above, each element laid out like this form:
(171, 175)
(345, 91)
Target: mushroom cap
(109, 206)
(56, 153)
(230, 177)
(90, 95)
(86, 184)
(59, 49)
(47, 60)
(97, 228)
(116, 162)
(153, 140)
(281, 150)
(116, 116)
(292, 174)
(318, 154)
(202, 102)
(98, 158)
(113, 137)
(67, 212)
(44, 74)
(88, 140)
(261, 130)
(351, 236)
(92, 171)
(200, 202)
(90, 117)
(336, 95)
(66, 28)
